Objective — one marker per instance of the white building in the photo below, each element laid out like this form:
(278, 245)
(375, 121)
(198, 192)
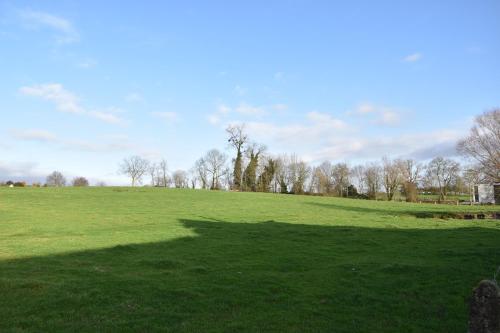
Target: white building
(487, 193)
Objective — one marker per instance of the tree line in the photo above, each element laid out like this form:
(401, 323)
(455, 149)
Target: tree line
(253, 169)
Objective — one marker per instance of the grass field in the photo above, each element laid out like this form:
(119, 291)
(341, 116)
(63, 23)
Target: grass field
(143, 259)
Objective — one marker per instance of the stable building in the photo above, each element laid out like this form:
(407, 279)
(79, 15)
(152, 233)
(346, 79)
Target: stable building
(487, 193)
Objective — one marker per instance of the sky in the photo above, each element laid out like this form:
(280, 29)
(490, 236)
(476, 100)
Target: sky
(84, 84)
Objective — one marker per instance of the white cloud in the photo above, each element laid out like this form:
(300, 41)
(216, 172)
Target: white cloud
(247, 109)
(380, 115)
(278, 76)
(68, 102)
(66, 33)
(412, 57)
(34, 135)
(169, 117)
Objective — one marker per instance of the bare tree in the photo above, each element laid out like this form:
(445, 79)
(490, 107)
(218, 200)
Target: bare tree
(372, 179)
(80, 181)
(358, 178)
(411, 175)
(298, 173)
(213, 165)
(56, 179)
(162, 173)
(281, 179)
(135, 167)
(471, 176)
(442, 172)
(483, 144)
(391, 177)
(153, 173)
(340, 174)
(200, 167)
(180, 179)
(237, 139)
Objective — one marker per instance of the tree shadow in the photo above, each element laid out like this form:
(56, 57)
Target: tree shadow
(255, 277)
(424, 212)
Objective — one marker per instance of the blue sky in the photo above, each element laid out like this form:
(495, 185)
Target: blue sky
(84, 84)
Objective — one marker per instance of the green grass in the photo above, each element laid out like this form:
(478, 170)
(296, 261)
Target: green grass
(142, 260)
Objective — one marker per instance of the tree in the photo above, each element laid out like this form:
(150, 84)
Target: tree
(442, 172)
(237, 139)
(180, 179)
(372, 175)
(266, 177)
(200, 169)
(153, 173)
(56, 179)
(250, 174)
(212, 164)
(80, 181)
(298, 172)
(410, 172)
(323, 178)
(282, 175)
(135, 167)
(483, 144)
(340, 175)
(162, 173)
(471, 176)
(391, 177)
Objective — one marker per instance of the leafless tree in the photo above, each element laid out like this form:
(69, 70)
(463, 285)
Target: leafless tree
(442, 172)
(180, 179)
(372, 179)
(340, 174)
(298, 173)
(80, 181)
(56, 179)
(200, 168)
(281, 179)
(358, 178)
(471, 176)
(162, 173)
(214, 164)
(391, 177)
(153, 173)
(483, 144)
(135, 167)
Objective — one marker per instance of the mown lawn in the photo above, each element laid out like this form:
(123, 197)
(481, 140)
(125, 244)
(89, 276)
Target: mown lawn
(142, 260)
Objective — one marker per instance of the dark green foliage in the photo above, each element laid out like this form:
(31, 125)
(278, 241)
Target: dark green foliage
(249, 176)
(265, 179)
(237, 171)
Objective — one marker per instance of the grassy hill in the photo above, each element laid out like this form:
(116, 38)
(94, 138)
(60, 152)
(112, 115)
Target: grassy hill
(146, 259)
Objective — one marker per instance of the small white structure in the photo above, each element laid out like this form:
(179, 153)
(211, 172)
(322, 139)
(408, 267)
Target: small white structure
(487, 193)
(11, 185)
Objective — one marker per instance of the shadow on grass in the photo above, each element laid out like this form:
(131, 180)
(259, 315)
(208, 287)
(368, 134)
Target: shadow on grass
(256, 277)
(440, 212)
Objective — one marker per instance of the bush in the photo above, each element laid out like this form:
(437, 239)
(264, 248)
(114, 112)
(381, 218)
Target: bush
(20, 184)
(80, 181)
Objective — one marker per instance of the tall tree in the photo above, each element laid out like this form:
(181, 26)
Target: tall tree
(237, 139)
(298, 171)
(391, 177)
(250, 174)
(162, 173)
(267, 175)
(483, 144)
(411, 173)
(56, 179)
(340, 174)
(135, 167)
(372, 178)
(442, 172)
(214, 163)
(80, 181)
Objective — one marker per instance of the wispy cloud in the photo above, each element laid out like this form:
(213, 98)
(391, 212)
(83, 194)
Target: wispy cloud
(68, 102)
(413, 57)
(169, 117)
(65, 31)
(379, 115)
(34, 135)
(87, 63)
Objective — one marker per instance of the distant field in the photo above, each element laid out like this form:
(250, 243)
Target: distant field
(146, 259)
